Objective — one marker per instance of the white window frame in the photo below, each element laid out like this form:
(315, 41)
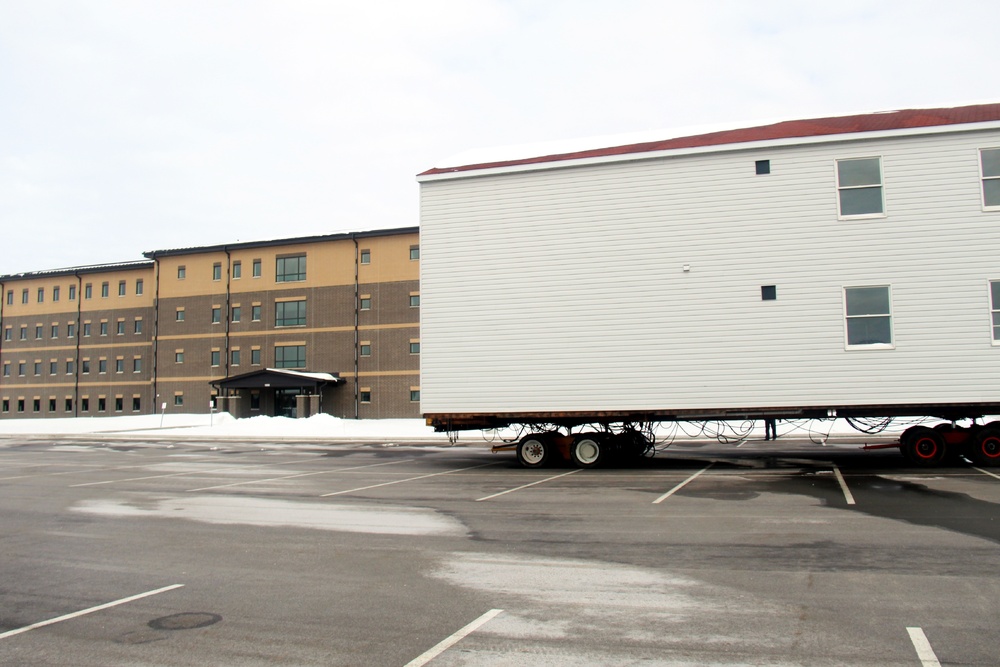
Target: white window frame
(994, 311)
(892, 329)
(881, 187)
(983, 178)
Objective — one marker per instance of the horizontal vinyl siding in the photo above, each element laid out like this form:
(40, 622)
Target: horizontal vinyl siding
(563, 290)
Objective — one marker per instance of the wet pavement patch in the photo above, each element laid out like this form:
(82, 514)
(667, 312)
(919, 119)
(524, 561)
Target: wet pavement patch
(186, 621)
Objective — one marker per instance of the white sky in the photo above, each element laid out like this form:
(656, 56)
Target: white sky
(134, 125)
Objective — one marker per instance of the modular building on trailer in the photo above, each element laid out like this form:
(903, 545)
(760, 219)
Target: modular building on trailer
(842, 266)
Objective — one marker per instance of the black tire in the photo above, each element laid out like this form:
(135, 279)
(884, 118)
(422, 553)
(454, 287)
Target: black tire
(534, 450)
(589, 450)
(923, 447)
(986, 446)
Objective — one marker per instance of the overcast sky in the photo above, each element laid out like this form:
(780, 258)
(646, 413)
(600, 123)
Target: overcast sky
(134, 125)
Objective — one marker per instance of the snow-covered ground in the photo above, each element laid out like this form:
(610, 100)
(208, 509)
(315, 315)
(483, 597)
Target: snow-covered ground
(224, 425)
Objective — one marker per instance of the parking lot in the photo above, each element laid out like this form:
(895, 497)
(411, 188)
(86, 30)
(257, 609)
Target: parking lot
(176, 552)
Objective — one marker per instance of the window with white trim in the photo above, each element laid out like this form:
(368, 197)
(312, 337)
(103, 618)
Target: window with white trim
(995, 309)
(989, 162)
(868, 314)
(859, 187)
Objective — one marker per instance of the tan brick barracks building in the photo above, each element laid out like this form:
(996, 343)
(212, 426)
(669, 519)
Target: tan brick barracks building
(287, 327)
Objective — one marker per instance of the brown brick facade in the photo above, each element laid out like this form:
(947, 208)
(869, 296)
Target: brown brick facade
(358, 321)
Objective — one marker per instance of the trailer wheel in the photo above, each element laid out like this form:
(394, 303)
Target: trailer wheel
(986, 446)
(588, 451)
(533, 451)
(923, 446)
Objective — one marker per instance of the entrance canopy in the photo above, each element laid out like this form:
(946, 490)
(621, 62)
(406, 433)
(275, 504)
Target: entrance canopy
(279, 378)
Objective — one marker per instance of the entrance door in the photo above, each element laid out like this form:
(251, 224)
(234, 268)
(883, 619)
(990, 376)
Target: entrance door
(284, 402)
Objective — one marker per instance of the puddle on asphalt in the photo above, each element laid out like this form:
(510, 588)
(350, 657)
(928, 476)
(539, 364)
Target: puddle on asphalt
(387, 520)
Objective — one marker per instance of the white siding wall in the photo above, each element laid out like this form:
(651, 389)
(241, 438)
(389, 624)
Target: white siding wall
(563, 289)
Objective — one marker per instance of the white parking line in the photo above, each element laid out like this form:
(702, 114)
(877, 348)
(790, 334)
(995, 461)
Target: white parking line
(432, 653)
(188, 473)
(541, 481)
(986, 472)
(843, 485)
(408, 479)
(107, 605)
(301, 474)
(681, 485)
(923, 647)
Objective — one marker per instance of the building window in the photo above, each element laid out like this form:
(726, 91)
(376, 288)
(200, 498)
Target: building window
(119, 404)
(216, 314)
(217, 271)
(180, 315)
(105, 290)
(869, 316)
(181, 272)
(20, 405)
(38, 332)
(237, 312)
(859, 186)
(366, 256)
(216, 357)
(290, 313)
(119, 365)
(104, 328)
(254, 399)
(55, 293)
(86, 329)
(136, 404)
(137, 328)
(72, 292)
(38, 368)
(54, 331)
(70, 366)
(414, 301)
(995, 309)
(24, 296)
(256, 268)
(762, 167)
(179, 357)
(102, 366)
(365, 395)
(6, 369)
(989, 161)
(178, 399)
(36, 405)
(85, 404)
(52, 404)
(41, 295)
(414, 252)
(6, 405)
(366, 350)
(255, 357)
(414, 347)
(88, 291)
(71, 330)
(69, 404)
(138, 287)
(53, 367)
(120, 327)
(290, 269)
(768, 292)
(137, 365)
(10, 297)
(85, 366)
(234, 357)
(366, 303)
(414, 396)
(255, 313)
(237, 270)
(290, 356)
(121, 288)
(8, 333)
(24, 332)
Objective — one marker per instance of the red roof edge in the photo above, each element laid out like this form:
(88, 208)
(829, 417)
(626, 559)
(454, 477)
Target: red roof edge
(815, 127)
